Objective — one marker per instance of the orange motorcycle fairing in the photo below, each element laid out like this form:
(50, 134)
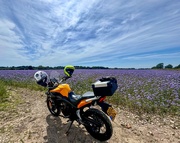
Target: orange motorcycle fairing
(83, 103)
(63, 89)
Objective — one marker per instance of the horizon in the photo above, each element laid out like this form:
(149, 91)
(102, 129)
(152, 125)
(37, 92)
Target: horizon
(89, 67)
(122, 34)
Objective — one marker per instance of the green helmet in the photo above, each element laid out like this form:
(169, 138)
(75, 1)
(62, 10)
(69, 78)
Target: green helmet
(68, 70)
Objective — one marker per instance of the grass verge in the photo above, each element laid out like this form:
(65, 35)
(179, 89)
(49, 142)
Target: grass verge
(8, 101)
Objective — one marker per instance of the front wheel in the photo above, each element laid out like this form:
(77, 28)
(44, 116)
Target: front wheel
(98, 124)
(53, 108)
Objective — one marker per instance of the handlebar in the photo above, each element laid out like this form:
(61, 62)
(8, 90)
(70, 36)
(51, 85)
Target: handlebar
(63, 79)
(54, 82)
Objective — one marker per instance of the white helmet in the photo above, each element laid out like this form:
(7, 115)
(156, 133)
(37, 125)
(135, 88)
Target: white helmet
(41, 78)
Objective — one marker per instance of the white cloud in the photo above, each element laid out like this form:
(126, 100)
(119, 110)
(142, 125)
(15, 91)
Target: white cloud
(9, 42)
(56, 32)
(153, 56)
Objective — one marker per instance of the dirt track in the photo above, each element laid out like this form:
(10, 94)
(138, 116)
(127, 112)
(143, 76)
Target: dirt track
(31, 122)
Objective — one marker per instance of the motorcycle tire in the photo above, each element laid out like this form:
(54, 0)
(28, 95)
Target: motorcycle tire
(54, 110)
(95, 122)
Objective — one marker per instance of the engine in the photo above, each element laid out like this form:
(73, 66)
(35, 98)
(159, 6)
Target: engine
(65, 108)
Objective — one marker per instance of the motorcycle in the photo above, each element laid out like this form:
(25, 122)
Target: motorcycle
(63, 102)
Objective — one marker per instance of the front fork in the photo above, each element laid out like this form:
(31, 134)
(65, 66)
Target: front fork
(108, 109)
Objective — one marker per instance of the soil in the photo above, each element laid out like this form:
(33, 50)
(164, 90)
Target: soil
(31, 122)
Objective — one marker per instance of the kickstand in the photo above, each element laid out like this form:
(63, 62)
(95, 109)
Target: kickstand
(69, 128)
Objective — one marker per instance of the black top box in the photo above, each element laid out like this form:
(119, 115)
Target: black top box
(105, 86)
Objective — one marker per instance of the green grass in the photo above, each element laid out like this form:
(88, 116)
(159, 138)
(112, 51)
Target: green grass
(24, 84)
(3, 92)
(6, 102)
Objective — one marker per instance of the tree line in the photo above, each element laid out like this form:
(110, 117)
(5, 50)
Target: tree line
(169, 66)
(40, 67)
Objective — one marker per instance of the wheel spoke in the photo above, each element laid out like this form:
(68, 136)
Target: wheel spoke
(97, 124)
(52, 107)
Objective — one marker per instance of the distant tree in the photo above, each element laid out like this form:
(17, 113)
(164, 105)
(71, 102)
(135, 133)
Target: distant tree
(30, 68)
(160, 66)
(99, 67)
(12, 68)
(169, 66)
(153, 67)
(177, 67)
(40, 67)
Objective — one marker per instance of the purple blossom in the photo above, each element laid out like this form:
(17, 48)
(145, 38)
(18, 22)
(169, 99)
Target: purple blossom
(161, 87)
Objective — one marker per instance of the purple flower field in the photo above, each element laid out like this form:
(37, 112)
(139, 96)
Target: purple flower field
(137, 88)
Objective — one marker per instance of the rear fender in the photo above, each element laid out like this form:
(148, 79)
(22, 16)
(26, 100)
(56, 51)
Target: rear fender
(87, 101)
(104, 106)
(108, 109)
(83, 103)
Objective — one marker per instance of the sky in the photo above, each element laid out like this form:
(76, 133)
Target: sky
(114, 33)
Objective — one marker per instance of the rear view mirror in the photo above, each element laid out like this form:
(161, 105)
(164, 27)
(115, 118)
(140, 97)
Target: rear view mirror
(68, 70)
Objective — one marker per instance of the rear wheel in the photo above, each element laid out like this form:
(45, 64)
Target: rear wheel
(53, 108)
(98, 124)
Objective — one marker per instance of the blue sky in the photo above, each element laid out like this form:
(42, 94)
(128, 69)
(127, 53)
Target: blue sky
(115, 33)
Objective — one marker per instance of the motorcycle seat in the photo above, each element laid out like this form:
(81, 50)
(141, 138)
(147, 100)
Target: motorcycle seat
(88, 94)
(76, 98)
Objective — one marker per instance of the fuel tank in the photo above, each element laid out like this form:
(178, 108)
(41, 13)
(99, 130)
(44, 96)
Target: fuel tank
(63, 89)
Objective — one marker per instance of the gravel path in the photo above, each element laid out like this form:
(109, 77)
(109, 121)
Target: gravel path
(31, 122)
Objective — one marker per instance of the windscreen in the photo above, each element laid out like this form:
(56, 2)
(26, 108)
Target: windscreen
(54, 74)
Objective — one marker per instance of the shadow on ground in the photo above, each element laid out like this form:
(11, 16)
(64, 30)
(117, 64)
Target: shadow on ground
(56, 132)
